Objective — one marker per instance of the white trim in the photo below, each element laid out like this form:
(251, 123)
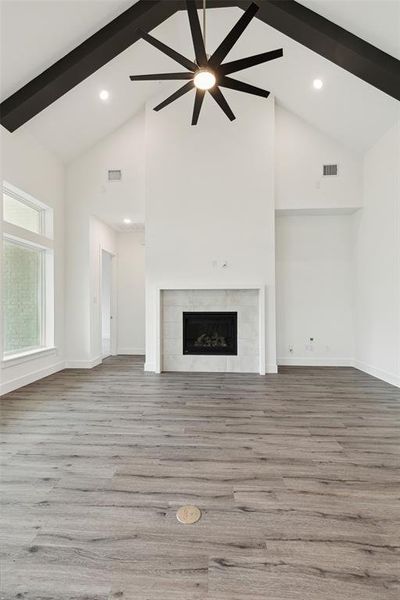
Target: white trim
(19, 382)
(26, 237)
(46, 213)
(312, 361)
(261, 308)
(114, 305)
(150, 367)
(22, 196)
(272, 368)
(132, 351)
(113, 299)
(84, 364)
(261, 331)
(40, 242)
(16, 359)
(391, 378)
(159, 325)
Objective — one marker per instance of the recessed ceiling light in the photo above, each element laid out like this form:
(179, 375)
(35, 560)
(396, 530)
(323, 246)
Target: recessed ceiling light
(104, 95)
(127, 221)
(318, 84)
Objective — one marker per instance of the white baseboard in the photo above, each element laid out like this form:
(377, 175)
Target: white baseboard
(312, 361)
(272, 368)
(391, 378)
(133, 351)
(151, 367)
(84, 364)
(31, 377)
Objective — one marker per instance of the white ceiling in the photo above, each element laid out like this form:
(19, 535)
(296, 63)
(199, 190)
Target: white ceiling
(36, 33)
(377, 22)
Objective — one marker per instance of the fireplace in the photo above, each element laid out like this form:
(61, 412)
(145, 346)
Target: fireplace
(210, 333)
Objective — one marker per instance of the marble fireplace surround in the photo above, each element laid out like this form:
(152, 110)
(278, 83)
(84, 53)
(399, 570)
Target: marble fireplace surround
(247, 300)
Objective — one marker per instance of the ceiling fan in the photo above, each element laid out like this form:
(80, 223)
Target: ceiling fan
(208, 73)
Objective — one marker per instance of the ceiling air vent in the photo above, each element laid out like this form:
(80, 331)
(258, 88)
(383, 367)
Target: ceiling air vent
(114, 175)
(330, 170)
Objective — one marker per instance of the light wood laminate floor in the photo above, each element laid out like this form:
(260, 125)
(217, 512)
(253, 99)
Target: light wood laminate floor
(297, 475)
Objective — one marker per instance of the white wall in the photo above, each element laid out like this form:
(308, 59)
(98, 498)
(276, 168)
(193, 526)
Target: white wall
(86, 238)
(315, 254)
(87, 175)
(314, 271)
(77, 278)
(131, 278)
(88, 193)
(209, 198)
(377, 285)
(30, 167)
(301, 150)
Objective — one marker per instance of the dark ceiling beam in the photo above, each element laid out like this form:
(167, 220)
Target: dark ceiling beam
(87, 58)
(333, 42)
(83, 61)
(287, 16)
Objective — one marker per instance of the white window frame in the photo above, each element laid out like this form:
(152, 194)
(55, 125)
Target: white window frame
(44, 242)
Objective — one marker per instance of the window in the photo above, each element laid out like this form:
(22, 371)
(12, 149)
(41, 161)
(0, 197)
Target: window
(22, 214)
(28, 295)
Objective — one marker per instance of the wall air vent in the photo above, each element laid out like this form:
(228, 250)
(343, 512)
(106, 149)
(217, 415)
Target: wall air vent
(114, 175)
(329, 170)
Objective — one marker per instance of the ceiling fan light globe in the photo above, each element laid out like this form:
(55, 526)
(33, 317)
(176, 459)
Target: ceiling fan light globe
(204, 79)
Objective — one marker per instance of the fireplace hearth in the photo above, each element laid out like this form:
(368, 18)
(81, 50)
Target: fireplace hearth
(212, 333)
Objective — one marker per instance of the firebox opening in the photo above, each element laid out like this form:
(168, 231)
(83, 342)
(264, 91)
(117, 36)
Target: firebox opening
(213, 333)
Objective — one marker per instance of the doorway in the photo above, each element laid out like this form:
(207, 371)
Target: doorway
(107, 328)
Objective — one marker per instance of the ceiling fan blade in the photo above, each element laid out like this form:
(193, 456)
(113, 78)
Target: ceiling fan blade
(233, 36)
(198, 101)
(179, 58)
(249, 61)
(161, 76)
(197, 36)
(220, 100)
(241, 86)
(183, 90)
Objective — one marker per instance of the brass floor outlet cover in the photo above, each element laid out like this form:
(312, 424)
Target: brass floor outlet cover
(188, 514)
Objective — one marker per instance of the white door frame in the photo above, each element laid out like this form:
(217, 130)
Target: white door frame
(114, 304)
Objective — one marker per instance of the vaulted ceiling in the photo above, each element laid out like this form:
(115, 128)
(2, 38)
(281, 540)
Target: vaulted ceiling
(36, 33)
